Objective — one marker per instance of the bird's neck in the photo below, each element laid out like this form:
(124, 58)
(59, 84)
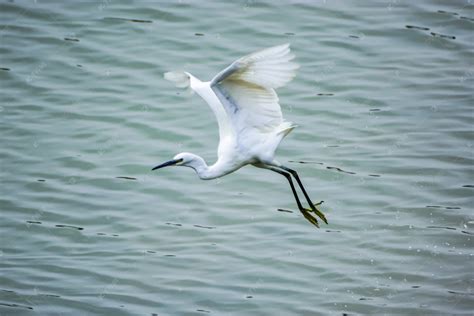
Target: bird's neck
(205, 172)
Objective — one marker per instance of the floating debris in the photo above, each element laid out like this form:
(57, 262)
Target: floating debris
(249, 296)
(447, 12)
(374, 110)
(4, 68)
(198, 34)
(41, 180)
(151, 251)
(466, 232)
(202, 311)
(130, 20)
(49, 295)
(442, 35)
(468, 186)
(325, 94)
(442, 227)
(333, 146)
(290, 34)
(332, 231)
(71, 39)
(34, 222)
(8, 291)
(207, 227)
(16, 305)
(354, 36)
(79, 65)
(283, 210)
(302, 162)
(445, 207)
(127, 178)
(170, 255)
(340, 170)
(460, 293)
(140, 21)
(104, 234)
(174, 224)
(415, 286)
(69, 226)
(375, 175)
(417, 27)
(466, 18)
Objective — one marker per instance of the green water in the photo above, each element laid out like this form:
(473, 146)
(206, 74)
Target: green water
(385, 115)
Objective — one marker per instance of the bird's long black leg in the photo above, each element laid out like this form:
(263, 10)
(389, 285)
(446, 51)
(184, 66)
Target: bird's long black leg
(311, 204)
(303, 210)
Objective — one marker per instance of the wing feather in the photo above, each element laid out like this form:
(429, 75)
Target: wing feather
(179, 78)
(246, 89)
(254, 106)
(269, 68)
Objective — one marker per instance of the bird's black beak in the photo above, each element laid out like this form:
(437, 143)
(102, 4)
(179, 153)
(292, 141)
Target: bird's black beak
(168, 163)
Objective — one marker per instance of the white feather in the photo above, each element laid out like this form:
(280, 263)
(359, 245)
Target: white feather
(257, 106)
(179, 78)
(243, 98)
(251, 89)
(269, 68)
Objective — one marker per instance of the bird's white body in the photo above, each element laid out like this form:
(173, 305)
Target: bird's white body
(236, 148)
(247, 109)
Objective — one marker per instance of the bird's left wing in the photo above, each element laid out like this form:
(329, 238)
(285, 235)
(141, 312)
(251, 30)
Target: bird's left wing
(246, 87)
(269, 68)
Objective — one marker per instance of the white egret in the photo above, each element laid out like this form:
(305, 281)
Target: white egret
(251, 125)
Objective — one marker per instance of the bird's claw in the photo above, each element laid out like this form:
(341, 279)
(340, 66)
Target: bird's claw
(312, 219)
(309, 217)
(318, 212)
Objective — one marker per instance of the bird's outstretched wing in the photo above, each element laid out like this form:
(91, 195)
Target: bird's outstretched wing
(246, 88)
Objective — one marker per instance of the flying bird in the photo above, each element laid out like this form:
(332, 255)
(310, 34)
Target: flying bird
(251, 125)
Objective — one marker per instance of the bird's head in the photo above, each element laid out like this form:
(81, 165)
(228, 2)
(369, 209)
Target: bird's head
(182, 159)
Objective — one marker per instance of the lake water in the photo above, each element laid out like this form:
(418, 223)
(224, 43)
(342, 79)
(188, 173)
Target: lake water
(384, 104)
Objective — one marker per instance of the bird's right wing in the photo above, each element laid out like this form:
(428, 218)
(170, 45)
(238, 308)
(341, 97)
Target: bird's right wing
(246, 88)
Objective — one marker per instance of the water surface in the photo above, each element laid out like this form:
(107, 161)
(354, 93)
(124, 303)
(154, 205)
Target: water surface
(384, 104)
